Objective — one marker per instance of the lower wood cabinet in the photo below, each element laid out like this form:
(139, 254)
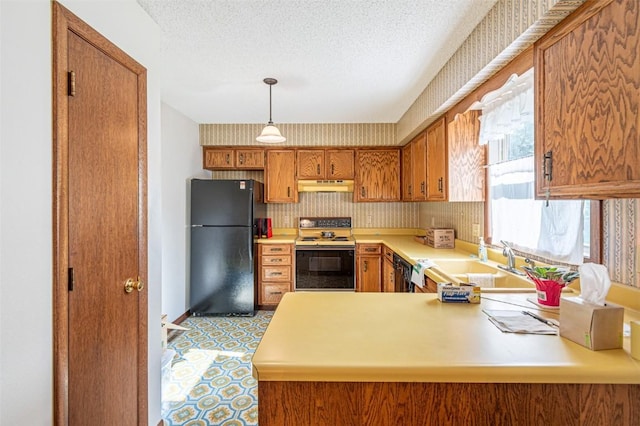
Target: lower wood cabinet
(430, 286)
(388, 271)
(275, 273)
(369, 267)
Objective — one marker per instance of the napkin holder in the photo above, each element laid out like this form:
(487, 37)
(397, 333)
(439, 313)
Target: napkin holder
(592, 326)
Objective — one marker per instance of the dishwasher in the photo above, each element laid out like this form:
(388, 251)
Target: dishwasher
(402, 275)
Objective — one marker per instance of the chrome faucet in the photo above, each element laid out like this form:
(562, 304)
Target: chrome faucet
(507, 251)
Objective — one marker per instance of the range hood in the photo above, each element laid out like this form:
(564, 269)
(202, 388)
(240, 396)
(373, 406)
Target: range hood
(325, 186)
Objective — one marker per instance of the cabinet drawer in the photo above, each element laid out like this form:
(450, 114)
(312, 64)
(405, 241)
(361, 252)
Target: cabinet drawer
(273, 292)
(275, 249)
(276, 260)
(369, 249)
(276, 273)
(388, 253)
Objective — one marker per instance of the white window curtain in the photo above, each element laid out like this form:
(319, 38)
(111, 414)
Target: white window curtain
(553, 232)
(507, 109)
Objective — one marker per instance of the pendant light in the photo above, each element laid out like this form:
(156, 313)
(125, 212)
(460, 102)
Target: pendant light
(270, 133)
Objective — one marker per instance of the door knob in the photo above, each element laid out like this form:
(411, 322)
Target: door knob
(130, 284)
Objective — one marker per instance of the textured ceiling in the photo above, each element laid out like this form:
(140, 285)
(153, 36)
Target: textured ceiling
(336, 61)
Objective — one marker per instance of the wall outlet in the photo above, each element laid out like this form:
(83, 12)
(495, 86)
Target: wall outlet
(475, 230)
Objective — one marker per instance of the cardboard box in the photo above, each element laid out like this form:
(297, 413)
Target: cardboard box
(592, 326)
(464, 293)
(440, 238)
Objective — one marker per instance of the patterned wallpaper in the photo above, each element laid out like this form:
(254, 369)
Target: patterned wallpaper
(358, 134)
(508, 29)
(459, 216)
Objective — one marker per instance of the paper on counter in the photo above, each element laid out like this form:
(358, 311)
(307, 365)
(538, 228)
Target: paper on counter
(517, 322)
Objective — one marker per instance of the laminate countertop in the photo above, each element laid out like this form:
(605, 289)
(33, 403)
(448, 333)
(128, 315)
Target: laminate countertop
(406, 337)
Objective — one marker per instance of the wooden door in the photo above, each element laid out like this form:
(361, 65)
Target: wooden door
(310, 163)
(339, 163)
(587, 80)
(407, 175)
(100, 229)
(437, 161)
(377, 175)
(280, 176)
(466, 158)
(419, 167)
(218, 158)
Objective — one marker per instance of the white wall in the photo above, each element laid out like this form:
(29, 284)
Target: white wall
(181, 160)
(26, 361)
(25, 214)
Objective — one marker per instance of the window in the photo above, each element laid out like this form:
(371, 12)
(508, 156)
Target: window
(558, 230)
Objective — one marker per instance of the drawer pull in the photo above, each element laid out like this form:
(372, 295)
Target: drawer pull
(275, 292)
(370, 249)
(275, 249)
(275, 274)
(276, 260)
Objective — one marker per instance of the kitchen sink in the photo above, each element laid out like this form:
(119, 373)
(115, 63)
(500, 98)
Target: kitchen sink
(457, 270)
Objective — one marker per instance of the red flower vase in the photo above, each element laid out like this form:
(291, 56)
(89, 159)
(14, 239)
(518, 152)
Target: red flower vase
(548, 291)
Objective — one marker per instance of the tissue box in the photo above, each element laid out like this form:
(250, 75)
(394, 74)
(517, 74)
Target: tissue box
(464, 293)
(592, 326)
(440, 238)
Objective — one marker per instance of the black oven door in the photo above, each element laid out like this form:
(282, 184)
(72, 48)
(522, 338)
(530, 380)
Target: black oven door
(325, 268)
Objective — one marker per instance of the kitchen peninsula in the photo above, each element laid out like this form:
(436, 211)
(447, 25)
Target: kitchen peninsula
(400, 358)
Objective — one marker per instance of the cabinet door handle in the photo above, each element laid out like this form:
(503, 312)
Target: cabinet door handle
(547, 172)
(318, 169)
(332, 169)
(409, 189)
(228, 159)
(440, 185)
(241, 158)
(362, 191)
(288, 191)
(422, 187)
(365, 266)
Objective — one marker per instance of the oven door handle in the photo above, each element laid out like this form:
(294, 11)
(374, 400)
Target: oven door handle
(328, 248)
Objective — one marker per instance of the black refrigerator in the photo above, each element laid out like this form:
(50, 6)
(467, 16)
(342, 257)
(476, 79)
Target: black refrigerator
(224, 217)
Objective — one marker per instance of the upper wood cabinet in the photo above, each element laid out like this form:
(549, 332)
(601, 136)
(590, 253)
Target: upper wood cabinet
(377, 175)
(587, 72)
(325, 163)
(280, 176)
(419, 167)
(466, 158)
(339, 163)
(407, 174)
(437, 161)
(229, 158)
(310, 163)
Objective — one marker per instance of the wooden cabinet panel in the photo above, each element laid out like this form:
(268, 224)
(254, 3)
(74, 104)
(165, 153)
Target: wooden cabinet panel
(216, 158)
(419, 167)
(310, 163)
(250, 159)
(388, 276)
(377, 175)
(339, 163)
(466, 158)
(407, 174)
(275, 268)
(280, 176)
(368, 268)
(274, 249)
(229, 158)
(272, 292)
(587, 72)
(437, 161)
